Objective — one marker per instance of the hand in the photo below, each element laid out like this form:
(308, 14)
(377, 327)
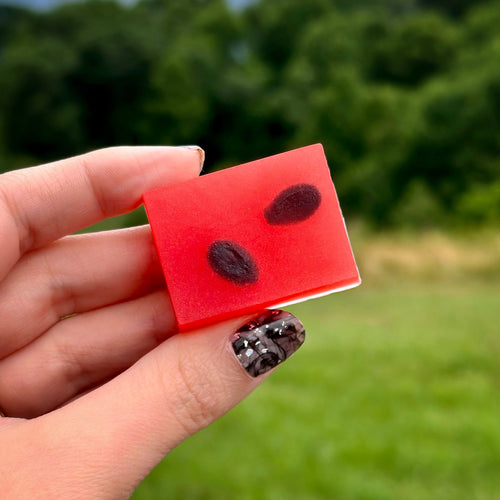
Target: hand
(96, 384)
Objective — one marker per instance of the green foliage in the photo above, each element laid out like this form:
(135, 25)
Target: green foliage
(404, 94)
(481, 204)
(275, 27)
(458, 144)
(418, 207)
(453, 8)
(413, 50)
(34, 85)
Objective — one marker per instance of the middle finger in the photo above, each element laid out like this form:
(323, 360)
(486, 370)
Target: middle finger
(75, 274)
(81, 352)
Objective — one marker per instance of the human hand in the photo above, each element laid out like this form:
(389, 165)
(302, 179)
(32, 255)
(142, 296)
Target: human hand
(96, 384)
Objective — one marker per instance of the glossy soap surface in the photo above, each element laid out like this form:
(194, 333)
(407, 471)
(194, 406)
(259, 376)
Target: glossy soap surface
(251, 237)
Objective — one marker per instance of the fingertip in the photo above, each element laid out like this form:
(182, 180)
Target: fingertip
(263, 343)
(200, 152)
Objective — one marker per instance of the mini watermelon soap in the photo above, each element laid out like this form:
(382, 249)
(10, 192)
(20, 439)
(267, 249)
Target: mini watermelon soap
(260, 235)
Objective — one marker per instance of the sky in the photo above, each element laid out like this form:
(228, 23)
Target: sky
(40, 4)
(47, 4)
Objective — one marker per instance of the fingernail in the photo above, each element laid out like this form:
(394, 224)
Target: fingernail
(200, 151)
(267, 341)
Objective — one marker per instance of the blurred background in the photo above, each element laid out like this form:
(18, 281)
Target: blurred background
(396, 394)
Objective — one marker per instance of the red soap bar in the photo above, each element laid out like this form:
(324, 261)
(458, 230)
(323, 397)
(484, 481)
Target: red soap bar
(260, 235)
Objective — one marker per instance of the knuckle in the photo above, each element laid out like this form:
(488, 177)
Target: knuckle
(87, 165)
(198, 395)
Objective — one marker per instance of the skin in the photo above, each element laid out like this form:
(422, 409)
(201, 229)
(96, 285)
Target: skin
(95, 400)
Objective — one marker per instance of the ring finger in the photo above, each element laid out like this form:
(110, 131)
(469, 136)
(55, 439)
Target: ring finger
(81, 352)
(75, 274)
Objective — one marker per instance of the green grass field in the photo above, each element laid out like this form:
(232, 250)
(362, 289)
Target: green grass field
(394, 395)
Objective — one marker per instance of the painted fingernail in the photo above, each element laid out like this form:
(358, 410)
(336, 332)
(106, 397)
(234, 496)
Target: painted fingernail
(200, 151)
(267, 341)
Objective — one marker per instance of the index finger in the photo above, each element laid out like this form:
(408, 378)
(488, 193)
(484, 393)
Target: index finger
(40, 204)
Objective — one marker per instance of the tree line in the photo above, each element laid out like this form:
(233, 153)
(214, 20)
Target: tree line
(404, 94)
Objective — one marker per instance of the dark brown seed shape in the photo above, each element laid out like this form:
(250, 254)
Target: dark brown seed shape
(294, 204)
(232, 262)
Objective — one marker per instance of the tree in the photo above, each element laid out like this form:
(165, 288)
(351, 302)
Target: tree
(274, 28)
(404, 97)
(40, 115)
(454, 8)
(74, 79)
(413, 50)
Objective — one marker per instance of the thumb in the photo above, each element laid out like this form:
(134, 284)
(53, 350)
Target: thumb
(124, 428)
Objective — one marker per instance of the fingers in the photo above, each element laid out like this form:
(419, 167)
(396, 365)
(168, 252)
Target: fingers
(74, 274)
(124, 428)
(81, 352)
(40, 204)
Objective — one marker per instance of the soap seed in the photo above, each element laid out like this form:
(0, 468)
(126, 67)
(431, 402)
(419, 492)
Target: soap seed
(293, 205)
(232, 262)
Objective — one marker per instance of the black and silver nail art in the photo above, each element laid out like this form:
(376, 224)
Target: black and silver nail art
(267, 341)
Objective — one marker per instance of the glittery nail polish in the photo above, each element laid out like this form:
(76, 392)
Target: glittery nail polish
(267, 341)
